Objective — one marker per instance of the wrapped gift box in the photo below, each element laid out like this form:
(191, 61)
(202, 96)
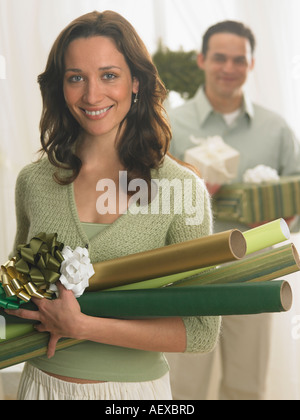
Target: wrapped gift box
(217, 162)
(253, 203)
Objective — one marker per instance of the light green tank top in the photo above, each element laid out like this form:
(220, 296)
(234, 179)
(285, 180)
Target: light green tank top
(101, 362)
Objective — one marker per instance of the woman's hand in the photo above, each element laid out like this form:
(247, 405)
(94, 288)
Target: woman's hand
(62, 317)
(59, 317)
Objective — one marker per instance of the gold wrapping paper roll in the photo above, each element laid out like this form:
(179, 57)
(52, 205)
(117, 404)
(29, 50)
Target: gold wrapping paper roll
(177, 258)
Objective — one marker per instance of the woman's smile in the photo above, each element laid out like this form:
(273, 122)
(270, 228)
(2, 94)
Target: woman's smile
(96, 114)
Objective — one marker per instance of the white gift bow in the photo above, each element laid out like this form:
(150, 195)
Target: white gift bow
(261, 173)
(76, 270)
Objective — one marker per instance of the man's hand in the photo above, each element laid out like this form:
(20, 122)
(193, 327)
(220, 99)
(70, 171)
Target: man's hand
(213, 188)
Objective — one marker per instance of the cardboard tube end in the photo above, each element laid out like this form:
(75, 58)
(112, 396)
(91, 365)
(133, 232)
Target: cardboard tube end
(285, 229)
(286, 295)
(238, 244)
(296, 255)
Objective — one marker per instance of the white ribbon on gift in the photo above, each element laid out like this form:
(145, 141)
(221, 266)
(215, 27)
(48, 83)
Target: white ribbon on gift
(261, 173)
(213, 150)
(76, 270)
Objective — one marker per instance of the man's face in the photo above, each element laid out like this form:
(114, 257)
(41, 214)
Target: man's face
(226, 64)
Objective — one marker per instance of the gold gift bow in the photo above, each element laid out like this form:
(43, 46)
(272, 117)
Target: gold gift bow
(28, 274)
(33, 269)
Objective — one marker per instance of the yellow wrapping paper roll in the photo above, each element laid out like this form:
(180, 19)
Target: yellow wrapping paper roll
(267, 235)
(191, 255)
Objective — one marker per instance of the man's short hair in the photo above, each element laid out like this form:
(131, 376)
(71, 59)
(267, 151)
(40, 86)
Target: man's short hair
(230, 27)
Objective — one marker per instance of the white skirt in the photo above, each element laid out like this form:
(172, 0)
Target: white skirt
(37, 385)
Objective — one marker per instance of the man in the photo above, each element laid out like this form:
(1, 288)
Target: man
(262, 137)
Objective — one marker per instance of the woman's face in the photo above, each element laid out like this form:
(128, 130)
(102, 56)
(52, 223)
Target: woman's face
(98, 85)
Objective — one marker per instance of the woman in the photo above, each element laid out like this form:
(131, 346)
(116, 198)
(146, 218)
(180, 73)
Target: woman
(102, 117)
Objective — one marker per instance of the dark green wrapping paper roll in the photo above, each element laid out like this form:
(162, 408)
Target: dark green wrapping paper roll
(211, 300)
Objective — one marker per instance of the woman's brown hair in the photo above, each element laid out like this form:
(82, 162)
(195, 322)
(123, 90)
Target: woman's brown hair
(146, 135)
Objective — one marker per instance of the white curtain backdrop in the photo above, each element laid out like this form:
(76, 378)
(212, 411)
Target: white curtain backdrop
(27, 31)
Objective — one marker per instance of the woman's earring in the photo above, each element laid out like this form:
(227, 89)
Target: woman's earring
(136, 98)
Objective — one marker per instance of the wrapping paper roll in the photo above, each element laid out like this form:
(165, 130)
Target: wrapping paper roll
(14, 328)
(34, 344)
(198, 253)
(211, 300)
(266, 266)
(266, 235)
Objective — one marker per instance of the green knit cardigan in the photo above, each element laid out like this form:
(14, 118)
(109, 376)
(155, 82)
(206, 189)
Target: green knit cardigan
(42, 205)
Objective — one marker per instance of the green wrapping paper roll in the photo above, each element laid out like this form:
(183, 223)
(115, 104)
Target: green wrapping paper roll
(212, 300)
(262, 267)
(15, 329)
(34, 344)
(217, 299)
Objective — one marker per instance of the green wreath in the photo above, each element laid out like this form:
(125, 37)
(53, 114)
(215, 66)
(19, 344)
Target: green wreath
(179, 70)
